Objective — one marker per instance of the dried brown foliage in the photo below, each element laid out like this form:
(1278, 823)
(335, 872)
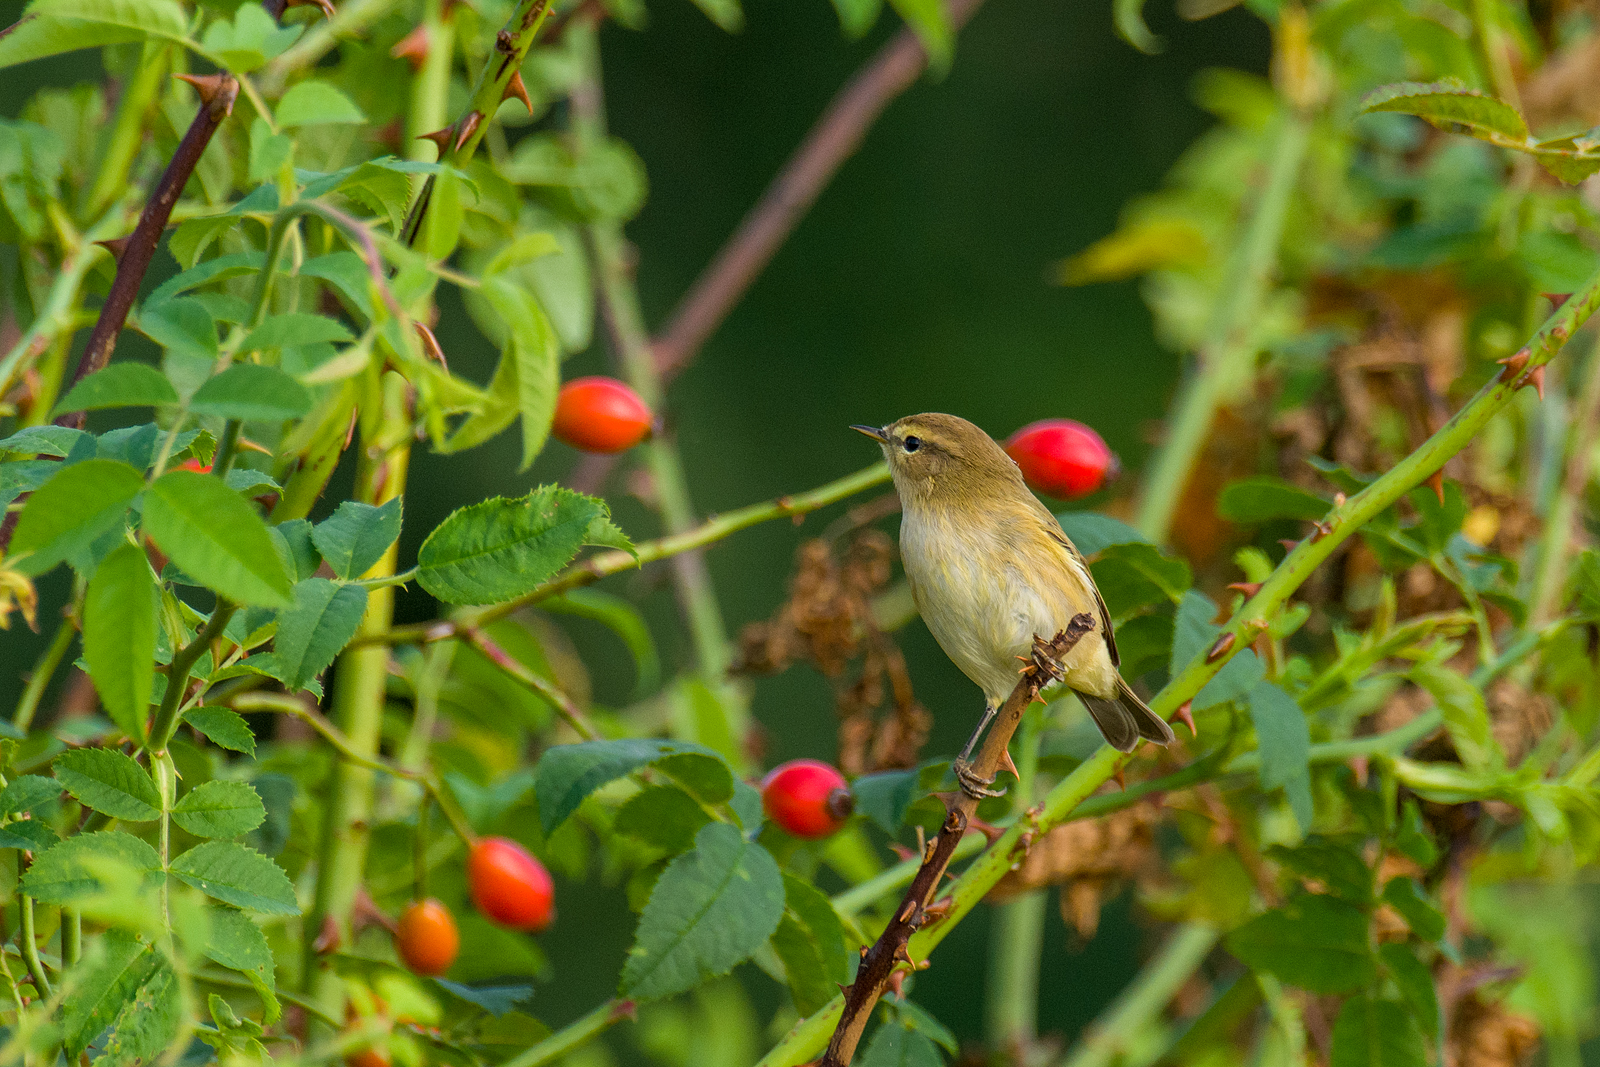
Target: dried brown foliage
(828, 622)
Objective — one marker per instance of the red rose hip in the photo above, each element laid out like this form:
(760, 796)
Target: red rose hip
(1062, 458)
(426, 937)
(509, 886)
(807, 797)
(600, 414)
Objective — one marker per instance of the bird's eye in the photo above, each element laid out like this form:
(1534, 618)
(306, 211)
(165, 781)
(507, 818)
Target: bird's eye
(911, 444)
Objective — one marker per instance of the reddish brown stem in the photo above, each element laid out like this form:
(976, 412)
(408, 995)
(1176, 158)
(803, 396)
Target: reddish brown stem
(879, 963)
(834, 139)
(216, 103)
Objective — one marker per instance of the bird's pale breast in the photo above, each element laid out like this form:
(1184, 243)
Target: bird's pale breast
(985, 593)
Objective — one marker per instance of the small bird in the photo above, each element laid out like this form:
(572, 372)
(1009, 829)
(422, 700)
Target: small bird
(990, 569)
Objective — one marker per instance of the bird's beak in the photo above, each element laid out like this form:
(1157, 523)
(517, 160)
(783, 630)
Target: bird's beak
(873, 432)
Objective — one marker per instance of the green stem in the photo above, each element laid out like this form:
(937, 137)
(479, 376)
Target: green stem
(71, 936)
(134, 107)
(360, 680)
(430, 89)
(1497, 64)
(233, 981)
(810, 1035)
(1226, 354)
(604, 564)
(43, 671)
(30, 947)
(166, 776)
(1138, 1008)
(1017, 940)
(183, 661)
(574, 1036)
(563, 704)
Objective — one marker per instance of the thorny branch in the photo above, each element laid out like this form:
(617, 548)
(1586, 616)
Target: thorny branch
(217, 93)
(880, 962)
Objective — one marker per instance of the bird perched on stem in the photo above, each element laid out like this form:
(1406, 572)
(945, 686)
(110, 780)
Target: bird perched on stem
(990, 569)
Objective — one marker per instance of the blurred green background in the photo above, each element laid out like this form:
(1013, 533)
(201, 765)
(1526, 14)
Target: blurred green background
(918, 282)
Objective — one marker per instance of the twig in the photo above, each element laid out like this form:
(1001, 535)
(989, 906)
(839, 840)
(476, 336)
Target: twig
(565, 706)
(30, 947)
(604, 564)
(832, 140)
(183, 662)
(217, 93)
(880, 961)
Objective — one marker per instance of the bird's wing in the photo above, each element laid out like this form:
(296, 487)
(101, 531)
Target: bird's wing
(1076, 561)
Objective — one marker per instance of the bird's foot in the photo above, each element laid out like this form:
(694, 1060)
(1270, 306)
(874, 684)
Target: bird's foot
(971, 784)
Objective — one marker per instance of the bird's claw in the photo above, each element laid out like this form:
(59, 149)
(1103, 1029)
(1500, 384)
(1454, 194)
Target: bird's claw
(974, 786)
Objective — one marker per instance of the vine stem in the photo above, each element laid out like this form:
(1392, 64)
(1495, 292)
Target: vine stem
(30, 947)
(1225, 354)
(183, 661)
(605, 564)
(1133, 1013)
(216, 103)
(807, 1037)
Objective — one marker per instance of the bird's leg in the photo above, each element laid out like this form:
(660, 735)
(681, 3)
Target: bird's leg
(971, 784)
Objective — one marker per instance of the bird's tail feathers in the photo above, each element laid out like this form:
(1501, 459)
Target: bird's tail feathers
(1125, 718)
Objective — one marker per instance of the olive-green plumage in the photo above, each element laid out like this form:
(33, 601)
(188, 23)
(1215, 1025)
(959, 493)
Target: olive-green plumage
(990, 569)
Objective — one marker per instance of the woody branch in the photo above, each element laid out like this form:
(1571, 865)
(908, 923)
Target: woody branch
(917, 909)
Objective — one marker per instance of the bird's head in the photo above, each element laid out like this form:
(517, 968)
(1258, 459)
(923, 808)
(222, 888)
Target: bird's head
(944, 460)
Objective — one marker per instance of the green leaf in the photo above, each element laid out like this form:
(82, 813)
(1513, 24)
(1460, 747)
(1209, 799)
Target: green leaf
(1284, 741)
(121, 385)
(725, 13)
(896, 1045)
(1415, 982)
(71, 510)
(65, 872)
(127, 980)
(810, 942)
(1413, 838)
(884, 797)
(1449, 105)
(537, 354)
(42, 441)
(30, 835)
(567, 774)
(220, 809)
(621, 617)
(36, 36)
(293, 329)
(238, 944)
(185, 328)
(312, 102)
(1466, 715)
(917, 1018)
(119, 636)
(322, 621)
(149, 1022)
(223, 726)
(1091, 532)
(26, 792)
(496, 550)
(1571, 159)
(710, 909)
(931, 23)
(249, 391)
(1263, 499)
(356, 536)
(1376, 1033)
(1405, 896)
(663, 816)
(1314, 942)
(239, 876)
(1193, 633)
(216, 538)
(109, 782)
(1132, 575)
(212, 270)
(1337, 865)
